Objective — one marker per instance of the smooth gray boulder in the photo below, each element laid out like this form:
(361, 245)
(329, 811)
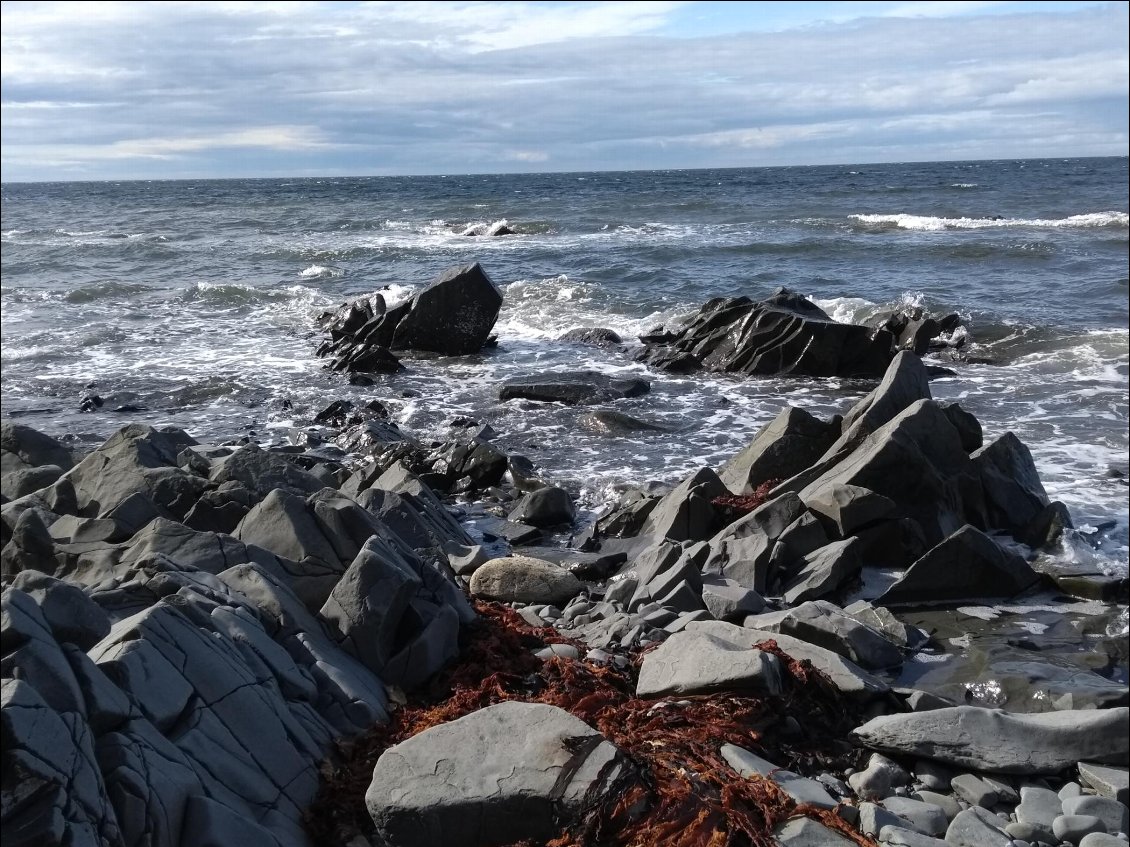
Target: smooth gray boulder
(22, 447)
(693, 662)
(977, 827)
(921, 817)
(965, 566)
(509, 772)
(523, 579)
(1001, 742)
(1073, 828)
(1038, 807)
(784, 447)
(1114, 815)
(454, 315)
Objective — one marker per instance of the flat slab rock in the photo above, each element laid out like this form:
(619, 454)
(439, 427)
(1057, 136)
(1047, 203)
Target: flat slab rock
(573, 388)
(997, 741)
(693, 662)
(510, 772)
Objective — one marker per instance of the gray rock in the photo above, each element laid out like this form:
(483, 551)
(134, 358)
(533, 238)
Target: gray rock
(1101, 839)
(846, 509)
(686, 512)
(1107, 781)
(14, 484)
(949, 806)
(741, 551)
(573, 388)
(1073, 828)
(261, 472)
(871, 783)
(823, 572)
(965, 566)
(612, 422)
(1114, 815)
(898, 836)
(691, 662)
(454, 315)
(509, 772)
(1029, 832)
(801, 789)
(23, 447)
(977, 827)
(600, 336)
(847, 676)
(933, 775)
(872, 819)
(805, 832)
(1014, 495)
(1069, 789)
(546, 507)
(525, 580)
(1038, 807)
(974, 791)
(71, 614)
(1005, 792)
(824, 624)
(922, 817)
(782, 448)
(727, 600)
(997, 741)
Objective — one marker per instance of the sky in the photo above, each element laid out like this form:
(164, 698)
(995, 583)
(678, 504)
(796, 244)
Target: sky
(109, 90)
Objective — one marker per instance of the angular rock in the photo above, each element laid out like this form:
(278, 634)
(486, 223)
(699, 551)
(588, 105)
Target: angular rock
(692, 662)
(977, 827)
(965, 566)
(741, 551)
(784, 447)
(453, 316)
(997, 741)
(22, 447)
(73, 617)
(686, 512)
(727, 600)
(1107, 781)
(1014, 495)
(591, 335)
(823, 572)
(509, 772)
(573, 388)
(805, 832)
(546, 507)
(848, 508)
(824, 624)
(523, 579)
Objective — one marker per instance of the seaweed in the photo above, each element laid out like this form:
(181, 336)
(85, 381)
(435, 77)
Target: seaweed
(730, 507)
(677, 791)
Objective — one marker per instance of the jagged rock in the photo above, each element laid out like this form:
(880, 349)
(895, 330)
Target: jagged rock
(1000, 742)
(967, 426)
(741, 551)
(784, 333)
(823, 572)
(823, 624)
(30, 547)
(383, 612)
(784, 447)
(846, 509)
(524, 580)
(661, 571)
(599, 336)
(453, 315)
(727, 600)
(544, 508)
(260, 472)
(509, 772)
(695, 662)
(847, 676)
(71, 614)
(1107, 781)
(805, 832)
(966, 565)
(14, 484)
(573, 388)
(1014, 495)
(22, 447)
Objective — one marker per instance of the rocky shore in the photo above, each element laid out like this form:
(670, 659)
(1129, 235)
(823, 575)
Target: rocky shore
(363, 638)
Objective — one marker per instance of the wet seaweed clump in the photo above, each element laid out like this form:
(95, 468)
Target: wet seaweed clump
(730, 507)
(680, 791)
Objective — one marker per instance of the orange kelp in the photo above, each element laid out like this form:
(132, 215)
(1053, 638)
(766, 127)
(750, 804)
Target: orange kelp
(680, 791)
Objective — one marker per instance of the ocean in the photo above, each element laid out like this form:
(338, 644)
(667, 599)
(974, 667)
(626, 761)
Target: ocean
(191, 303)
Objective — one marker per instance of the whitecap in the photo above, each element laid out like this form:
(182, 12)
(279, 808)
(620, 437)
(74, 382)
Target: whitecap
(929, 223)
(320, 272)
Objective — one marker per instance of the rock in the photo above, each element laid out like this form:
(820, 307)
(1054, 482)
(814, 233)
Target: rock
(821, 623)
(1107, 781)
(453, 315)
(925, 818)
(573, 388)
(686, 513)
(611, 422)
(805, 832)
(1072, 828)
(261, 472)
(872, 819)
(1014, 495)
(846, 509)
(544, 508)
(898, 836)
(1114, 815)
(974, 791)
(802, 790)
(741, 551)
(22, 447)
(783, 334)
(1101, 839)
(509, 772)
(933, 775)
(524, 580)
(1038, 807)
(997, 741)
(15, 484)
(848, 677)
(967, 426)
(965, 566)
(692, 662)
(977, 827)
(784, 447)
(946, 802)
(1029, 832)
(824, 571)
(73, 617)
(727, 600)
(871, 783)
(591, 335)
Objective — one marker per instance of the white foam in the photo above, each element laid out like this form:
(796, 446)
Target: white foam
(320, 272)
(927, 223)
(963, 185)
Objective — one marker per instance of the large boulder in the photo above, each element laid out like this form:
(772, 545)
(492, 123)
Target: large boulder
(783, 334)
(784, 447)
(698, 662)
(823, 624)
(997, 741)
(453, 316)
(523, 579)
(507, 773)
(22, 447)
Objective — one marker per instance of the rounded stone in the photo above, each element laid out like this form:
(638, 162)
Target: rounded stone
(1073, 827)
(525, 580)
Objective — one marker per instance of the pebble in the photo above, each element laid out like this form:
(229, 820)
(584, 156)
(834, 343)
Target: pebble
(1070, 789)
(1029, 832)
(1101, 839)
(974, 790)
(921, 817)
(1038, 806)
(565, 651)
(943, 801)
(1115, 816)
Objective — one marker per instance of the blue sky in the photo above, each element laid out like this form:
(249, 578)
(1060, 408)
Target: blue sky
(190, 90)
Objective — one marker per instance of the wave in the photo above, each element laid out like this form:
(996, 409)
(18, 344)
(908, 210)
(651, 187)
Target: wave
(963, 185)
(320, 272)
(927, 223)
(104, 291)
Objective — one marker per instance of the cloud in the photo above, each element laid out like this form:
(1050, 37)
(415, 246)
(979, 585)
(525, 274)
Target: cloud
(120, 90)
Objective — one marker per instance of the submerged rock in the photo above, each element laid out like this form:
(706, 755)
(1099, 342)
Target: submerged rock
(573, 388)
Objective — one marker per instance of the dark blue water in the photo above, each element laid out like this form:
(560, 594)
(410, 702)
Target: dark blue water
(193, 301)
